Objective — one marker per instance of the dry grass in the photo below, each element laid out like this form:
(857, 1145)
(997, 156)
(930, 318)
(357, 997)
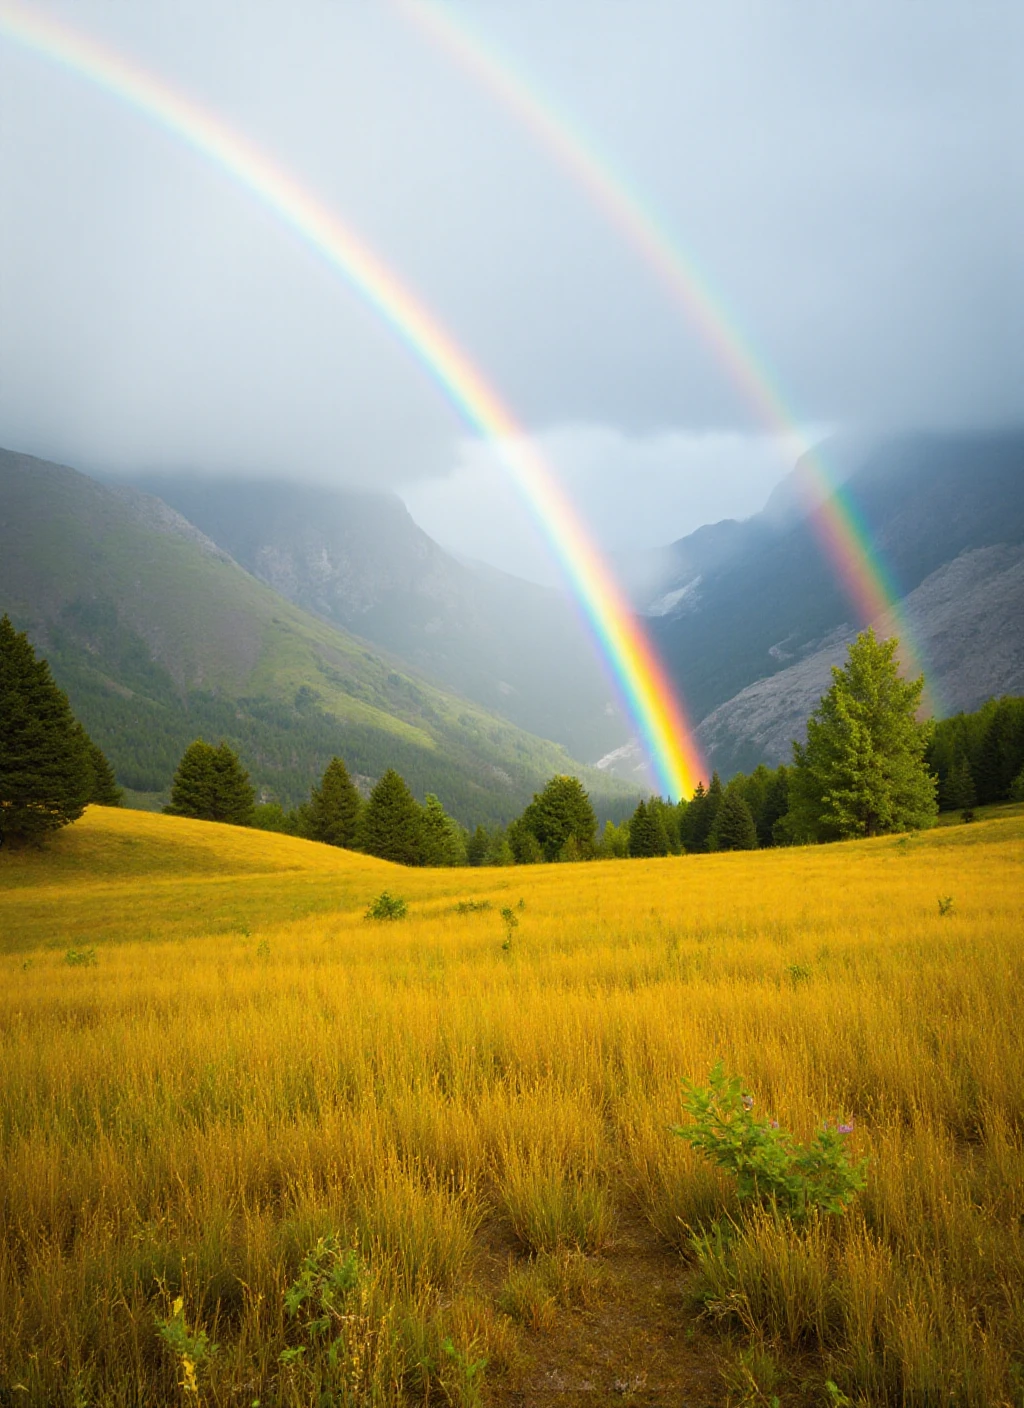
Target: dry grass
(250, 1065)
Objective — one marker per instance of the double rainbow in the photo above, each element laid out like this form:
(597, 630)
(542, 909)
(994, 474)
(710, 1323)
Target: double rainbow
(845, 537)
(640, 676)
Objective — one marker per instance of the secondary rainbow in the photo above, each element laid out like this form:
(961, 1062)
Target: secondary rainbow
(648, 694)
(844, 535)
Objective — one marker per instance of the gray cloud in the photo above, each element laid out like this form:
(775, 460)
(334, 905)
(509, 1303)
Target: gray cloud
(849, 177)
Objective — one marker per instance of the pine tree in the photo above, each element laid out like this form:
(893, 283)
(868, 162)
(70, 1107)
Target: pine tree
(699, 818)
(562, 810)
(103, 788)
(1001, 754)
(443, 840)
(210, 784)
(957, 792)
(45, 769)
(392, 824)
(862, 770)
(477, 846)
(334, 807)
(734, 828)
(775, 807)
(647, 832)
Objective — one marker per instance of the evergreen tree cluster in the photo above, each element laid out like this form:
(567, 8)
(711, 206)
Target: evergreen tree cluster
(978, 758)
(50, 769)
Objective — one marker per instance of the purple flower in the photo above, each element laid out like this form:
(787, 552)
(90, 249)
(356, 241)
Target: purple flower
(773, 1124)
(845, 1128)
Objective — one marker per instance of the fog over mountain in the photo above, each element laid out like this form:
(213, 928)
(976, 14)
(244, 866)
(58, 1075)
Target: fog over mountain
(847, 182)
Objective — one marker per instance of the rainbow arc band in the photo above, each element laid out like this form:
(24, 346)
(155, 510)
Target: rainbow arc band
(647, 692)
(844, 536)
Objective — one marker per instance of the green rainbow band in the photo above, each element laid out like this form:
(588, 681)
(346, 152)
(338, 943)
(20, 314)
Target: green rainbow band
(844, 536)
(645, 686)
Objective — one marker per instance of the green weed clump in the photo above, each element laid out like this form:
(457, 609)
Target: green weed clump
(769, 1167)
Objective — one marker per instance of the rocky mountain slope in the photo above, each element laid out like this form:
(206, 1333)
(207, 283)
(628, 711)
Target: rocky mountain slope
(967, 623)
(746, 601)
(158, 636)
(752, 615)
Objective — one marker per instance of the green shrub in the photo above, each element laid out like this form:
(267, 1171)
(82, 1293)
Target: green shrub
(387, 906)
(768, 1165)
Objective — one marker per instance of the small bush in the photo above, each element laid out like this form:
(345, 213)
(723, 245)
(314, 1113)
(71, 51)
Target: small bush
(768, 1165)
(945, 905)
(80, 957)
(472, 906)
(387, 906)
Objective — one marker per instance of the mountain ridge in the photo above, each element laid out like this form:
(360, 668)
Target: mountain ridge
(157, 635)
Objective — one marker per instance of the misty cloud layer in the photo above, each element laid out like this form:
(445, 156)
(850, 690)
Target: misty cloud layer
(849, 178)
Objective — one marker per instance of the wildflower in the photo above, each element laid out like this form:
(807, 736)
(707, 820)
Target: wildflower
(748, 1102)
(845, 1128)
(773, 1124)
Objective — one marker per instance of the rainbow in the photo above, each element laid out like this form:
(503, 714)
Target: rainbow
(844, 535)
(641, 678)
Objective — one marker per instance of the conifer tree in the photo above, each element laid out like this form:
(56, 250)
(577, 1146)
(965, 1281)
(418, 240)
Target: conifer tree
(392, 824)
(45, 770)
(957, 792)
(334, 807)
(734, 828)
(647, 832)
(561, 810)
(103, 790)
(699, 817)
(444, 842)
(523, 843)
(210, 784)
(477, 846)
(862, 770)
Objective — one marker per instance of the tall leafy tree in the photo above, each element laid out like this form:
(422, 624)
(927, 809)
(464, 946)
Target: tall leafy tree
(734, 828)
(444, 842)
(561, 810)
(211, 784)
(46, 774)
(334, 807)
(392, 823)
(862, 770)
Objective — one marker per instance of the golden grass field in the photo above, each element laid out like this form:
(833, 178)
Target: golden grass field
(245, 1065)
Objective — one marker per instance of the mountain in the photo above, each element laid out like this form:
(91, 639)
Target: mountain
(752, 614)
(358, 560)
(159, 636)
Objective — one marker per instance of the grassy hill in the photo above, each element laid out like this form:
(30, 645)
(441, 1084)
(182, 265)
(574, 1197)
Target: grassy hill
(244, 1065)
(158, 637)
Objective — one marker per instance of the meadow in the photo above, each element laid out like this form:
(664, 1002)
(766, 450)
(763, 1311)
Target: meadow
(256, 1147)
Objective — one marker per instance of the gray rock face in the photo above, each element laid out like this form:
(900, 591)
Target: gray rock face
(965, 621)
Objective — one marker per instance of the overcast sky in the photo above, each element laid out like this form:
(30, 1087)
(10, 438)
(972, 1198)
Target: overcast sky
(848, 177)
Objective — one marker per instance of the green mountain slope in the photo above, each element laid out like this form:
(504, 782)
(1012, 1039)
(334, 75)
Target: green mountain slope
(159, 636)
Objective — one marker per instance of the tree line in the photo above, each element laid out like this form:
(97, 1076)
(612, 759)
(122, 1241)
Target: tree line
(867, 767)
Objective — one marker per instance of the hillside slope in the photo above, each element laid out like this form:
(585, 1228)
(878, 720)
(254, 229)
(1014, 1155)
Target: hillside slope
(159, 636)
(358, 560)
